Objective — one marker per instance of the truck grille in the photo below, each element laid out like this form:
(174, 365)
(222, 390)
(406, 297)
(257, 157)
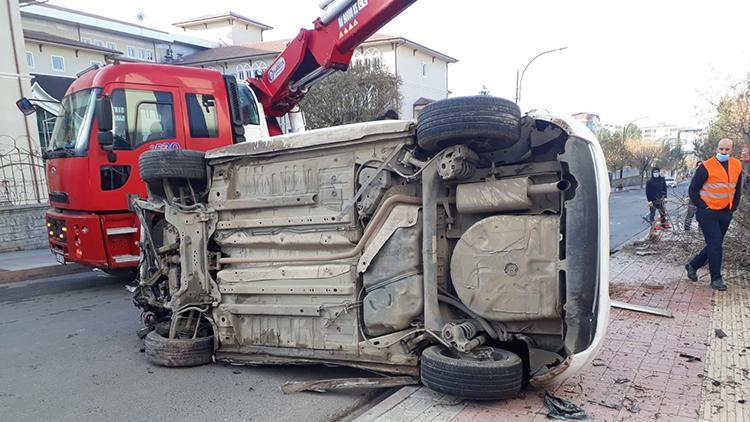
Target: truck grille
(59, 197)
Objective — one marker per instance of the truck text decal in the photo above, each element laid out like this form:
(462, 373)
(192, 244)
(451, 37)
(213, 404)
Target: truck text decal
(276, 69)
(351, 13)
(164, 147)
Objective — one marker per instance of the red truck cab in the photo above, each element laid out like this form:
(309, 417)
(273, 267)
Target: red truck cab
(152, 107)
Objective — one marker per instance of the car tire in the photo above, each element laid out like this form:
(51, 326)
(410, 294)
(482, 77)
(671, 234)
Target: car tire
(172, 164)
(178, 353)
(446, 371)
(482, 123)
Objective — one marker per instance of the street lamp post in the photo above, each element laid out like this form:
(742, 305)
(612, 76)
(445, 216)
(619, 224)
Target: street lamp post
(519, 80)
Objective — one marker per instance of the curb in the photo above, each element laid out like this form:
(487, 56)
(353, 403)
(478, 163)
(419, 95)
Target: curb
(381, 408)
(41, 272)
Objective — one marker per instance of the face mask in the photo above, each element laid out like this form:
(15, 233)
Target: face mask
(656, 174)
(722, 157)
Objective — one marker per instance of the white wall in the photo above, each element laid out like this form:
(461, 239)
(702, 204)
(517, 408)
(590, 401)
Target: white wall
(432, 83)
(228, 32)
(74, 61)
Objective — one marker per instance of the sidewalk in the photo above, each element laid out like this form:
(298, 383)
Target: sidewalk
(27, 265)
(674, 369)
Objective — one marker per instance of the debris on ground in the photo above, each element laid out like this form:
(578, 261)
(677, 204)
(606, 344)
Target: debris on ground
(640, 308)
(690, 358)
(598, 362)
(645, 253)
(720, 333)
(602, 403)
(621, 380)
(631, 405)
(321, 386)
(561, 409)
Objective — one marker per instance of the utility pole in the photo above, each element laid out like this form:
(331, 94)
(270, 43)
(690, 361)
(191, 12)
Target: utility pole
(519, 79)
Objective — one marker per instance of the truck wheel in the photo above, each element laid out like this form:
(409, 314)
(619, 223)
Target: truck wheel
(172, 164)
(481, 122)
(486, 373)
(178, 353)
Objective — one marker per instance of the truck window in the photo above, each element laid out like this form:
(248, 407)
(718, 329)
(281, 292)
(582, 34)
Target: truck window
(141, 116)
(248, 109)
(201, 110)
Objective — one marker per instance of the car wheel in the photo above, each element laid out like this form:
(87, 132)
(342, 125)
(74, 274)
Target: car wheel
(178, 353)
(485, 373)
(482, 123)
(176, 165)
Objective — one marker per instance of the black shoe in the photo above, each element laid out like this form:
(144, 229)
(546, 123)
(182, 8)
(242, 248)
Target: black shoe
(718, 285)
(691, 273)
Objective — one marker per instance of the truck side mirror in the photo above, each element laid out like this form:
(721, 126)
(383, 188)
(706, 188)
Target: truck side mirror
(24, 104)
(103, 113)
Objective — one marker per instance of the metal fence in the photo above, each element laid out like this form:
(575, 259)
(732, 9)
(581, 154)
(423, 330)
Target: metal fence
(22, 174)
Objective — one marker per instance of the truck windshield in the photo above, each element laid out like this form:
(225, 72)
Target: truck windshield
(74, 123)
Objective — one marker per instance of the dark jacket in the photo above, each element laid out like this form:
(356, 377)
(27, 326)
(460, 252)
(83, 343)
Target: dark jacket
(656, 188)
(699, 178)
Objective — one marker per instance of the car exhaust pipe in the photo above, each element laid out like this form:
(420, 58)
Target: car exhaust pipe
(503, 194)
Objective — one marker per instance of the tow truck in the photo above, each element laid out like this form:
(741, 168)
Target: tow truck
(113, 114)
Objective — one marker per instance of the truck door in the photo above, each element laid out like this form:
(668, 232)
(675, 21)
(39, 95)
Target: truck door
(143, 119)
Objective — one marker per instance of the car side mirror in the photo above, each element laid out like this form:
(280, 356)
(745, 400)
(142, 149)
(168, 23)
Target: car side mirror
(103, 112)
(24, 104)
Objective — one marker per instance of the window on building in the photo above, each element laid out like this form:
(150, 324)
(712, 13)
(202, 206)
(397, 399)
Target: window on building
(30, 59)
(142, 53)
(372, 58)
(112, 46)
(131, 52)
(243, 71)
(424, 69)
(141, 116)
(202, 115)
(58, 63)
(87, 40)
(258, 68)
(150, 55)
(357, 59)
(99, 43)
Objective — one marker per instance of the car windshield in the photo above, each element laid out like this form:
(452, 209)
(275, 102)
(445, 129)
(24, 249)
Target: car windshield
(74, 122)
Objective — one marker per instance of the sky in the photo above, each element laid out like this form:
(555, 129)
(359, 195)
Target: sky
(662, 61)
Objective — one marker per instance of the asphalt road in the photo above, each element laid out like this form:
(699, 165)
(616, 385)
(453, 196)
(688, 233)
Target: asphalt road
(69, 352)
(627, 208)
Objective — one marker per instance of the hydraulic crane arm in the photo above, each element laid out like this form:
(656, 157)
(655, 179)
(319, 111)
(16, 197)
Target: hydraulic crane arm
(316, 53)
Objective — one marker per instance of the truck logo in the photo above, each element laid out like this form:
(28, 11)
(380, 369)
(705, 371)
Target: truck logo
(276, 69)
(166, 146)
(351, 13)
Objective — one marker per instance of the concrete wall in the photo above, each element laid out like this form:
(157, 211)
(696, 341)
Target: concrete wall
(22, 228)
(14, 81)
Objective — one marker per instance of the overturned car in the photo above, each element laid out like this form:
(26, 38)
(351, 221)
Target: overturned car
(469, 249)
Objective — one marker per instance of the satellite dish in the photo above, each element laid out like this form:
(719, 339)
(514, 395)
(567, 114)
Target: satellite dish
(140, 15)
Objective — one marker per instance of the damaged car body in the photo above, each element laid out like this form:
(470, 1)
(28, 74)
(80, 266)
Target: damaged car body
(469, 249)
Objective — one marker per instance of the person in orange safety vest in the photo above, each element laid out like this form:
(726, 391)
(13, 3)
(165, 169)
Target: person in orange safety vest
(715, 190)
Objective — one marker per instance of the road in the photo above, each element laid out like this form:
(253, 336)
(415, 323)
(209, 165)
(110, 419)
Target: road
(69, 352)
(627, 208)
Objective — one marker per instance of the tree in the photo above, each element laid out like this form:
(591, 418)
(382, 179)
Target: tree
(644, 153)
(613, 146)
(732, 121)
(358, 95)
(672, 157)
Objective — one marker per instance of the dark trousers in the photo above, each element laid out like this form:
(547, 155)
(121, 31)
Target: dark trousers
(657, 205)
(714, 225)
